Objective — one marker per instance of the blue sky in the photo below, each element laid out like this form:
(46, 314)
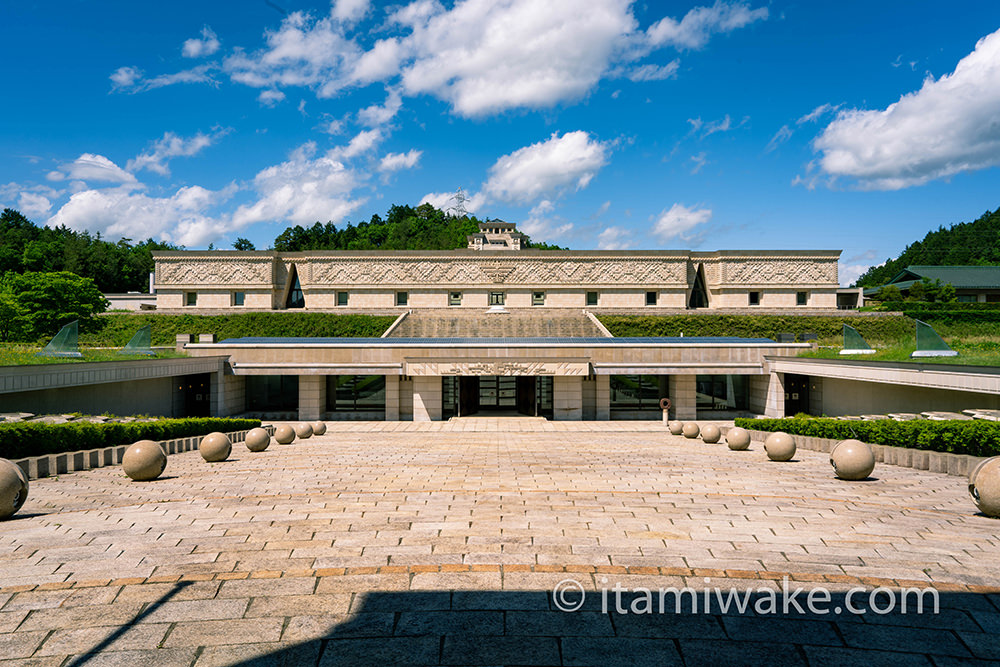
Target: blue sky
(600, 124)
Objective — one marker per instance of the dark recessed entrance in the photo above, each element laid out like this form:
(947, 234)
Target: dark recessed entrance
(497, 395)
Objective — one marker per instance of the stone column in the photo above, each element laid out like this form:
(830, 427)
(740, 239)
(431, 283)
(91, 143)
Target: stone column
(775, 406)
(684, 402)
(392, 398)
(427, 398)
(567, 398)
(312, 396)
(602, 412)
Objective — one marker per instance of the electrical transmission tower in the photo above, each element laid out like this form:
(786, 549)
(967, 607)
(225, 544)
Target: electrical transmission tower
(457, 209)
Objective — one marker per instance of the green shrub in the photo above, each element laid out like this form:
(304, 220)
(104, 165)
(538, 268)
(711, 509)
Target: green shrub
(976, 437)
(906, 306)
(881, 327)
(22, 439)
(116, 328)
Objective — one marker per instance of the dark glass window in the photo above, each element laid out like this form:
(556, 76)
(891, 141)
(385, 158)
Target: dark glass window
(295, 297)
(801, 298)
(650, 298)
(496, 298)
(637, 392)
(402, 298)
(341, 298)
(538, 298)
(355, 393)
(754, 298)
(239, 298)
(723, 392)
(272, 393)
(591, 298)
(454, 298)
(190, 298)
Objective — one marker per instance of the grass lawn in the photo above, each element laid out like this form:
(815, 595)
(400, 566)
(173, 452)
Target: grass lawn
(978, 351)
(20, 355)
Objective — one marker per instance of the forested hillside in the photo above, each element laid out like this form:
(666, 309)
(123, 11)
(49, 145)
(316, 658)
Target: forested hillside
(115, 267)
(965, 243)
(403, 228)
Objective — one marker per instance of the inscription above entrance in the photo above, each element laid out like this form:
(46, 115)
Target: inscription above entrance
(504, 368)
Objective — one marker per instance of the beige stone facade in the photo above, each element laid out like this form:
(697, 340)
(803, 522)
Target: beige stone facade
(476, 279)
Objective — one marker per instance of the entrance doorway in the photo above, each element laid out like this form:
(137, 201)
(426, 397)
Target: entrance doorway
(497, 395)
(796, 394)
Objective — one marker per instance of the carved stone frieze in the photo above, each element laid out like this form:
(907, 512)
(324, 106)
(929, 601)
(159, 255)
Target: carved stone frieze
(214, 272)
(507, 368)
(779, 271)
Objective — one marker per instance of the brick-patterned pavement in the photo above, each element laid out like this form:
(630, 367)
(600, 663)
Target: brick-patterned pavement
(437, 543)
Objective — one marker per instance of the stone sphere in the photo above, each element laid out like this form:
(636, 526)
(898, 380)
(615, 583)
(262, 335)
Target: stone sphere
(13, 488)
(257, 440)
(215, 447)
(852, 460)
(676, 427)
(738, 438)
(303, 430)
(710, 433)
(144, 461)
(284, 434)
(690, 430)
(779, 446)
(984, 486)
(319, 428)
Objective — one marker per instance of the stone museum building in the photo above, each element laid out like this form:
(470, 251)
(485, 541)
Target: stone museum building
(496, 328)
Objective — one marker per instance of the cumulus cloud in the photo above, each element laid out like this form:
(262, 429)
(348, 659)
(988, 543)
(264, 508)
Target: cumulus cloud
(198, 48)
(33, 204)
(158, 156)
(698, 25)
(951, 125)
(349, 11)
(270, 97)
(91, 167)
(397, 161)
(125, 77)
(543, 225)
(122, 212)
(546, 168)
(377, 115)
(614, 238)
(302, 190)
(678, 222)
(360, 144)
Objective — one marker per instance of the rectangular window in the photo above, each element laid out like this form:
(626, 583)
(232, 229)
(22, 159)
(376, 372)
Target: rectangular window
(190, 298)
(239, 298)
(650, 298)
(966, 298)
(754, 298)
(591, 298)
(496, 298)
(454, 298)
(801, 298)
(402, 298)
(355, 393)
(272, 393)
(722, 392)
(637, 392)
(341, 298)
(538, 298)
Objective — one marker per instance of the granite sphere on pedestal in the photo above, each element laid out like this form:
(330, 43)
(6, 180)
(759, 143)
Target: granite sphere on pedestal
(738, 438)
(284, 434)
(319, 428)
(303, 430)
(852, 460)
(215, 447)
(257, 440)
(984, 486)
(710, 433)
(13, 488)
(144, 461)
(676, 427)
(690, 430)
(779, 446)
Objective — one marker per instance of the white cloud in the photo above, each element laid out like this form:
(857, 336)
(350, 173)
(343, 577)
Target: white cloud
(397, 161)
(381, 62)
(783, 134)
(484, 57)
(377, 115)
(848, 273)
(91, 167)
(34, 205)
(815, 114)
(614, 238)
(349, 11)
(541, 225)
(699, 160)
(301, 190)
(678, 221)
(654, 72)
(157, 157)
(439, 200)
(949, 126)
(699, 24)
(198, 48)
(125, 77)
(270, 97)
(546, 168)
(360, 144)
(130, 79)
(122, 212)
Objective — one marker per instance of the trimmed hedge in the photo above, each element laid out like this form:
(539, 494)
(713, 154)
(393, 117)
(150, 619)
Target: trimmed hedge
(22, 439)
(906, 306)
(116, 328)
(882, 327)
(977, 437)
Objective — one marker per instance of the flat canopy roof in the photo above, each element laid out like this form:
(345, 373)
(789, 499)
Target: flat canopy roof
(662, 340)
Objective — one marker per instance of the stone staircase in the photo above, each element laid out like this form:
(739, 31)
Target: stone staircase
(513, 323)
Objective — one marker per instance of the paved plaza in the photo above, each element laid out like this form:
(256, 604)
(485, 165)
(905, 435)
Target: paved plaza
(440, 543)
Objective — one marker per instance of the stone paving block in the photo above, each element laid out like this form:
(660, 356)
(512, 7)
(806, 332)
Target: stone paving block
(450, 623)
(308, 627)
(55, 619)
(266, 587)
(490, 650)
(852, 657)
(161, 657)
(714, 653)
(272, 654)
(619, 652)
(393, 650)
(196, 610)
(10, 620)
(917, 640)
(295, 605)
(234, 631)
(106, 638)
(142, 593)
(20, 644)
(558, 624)
(765, 628)
(982, 645)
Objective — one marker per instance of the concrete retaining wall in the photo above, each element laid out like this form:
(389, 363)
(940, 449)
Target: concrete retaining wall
(36, 467)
